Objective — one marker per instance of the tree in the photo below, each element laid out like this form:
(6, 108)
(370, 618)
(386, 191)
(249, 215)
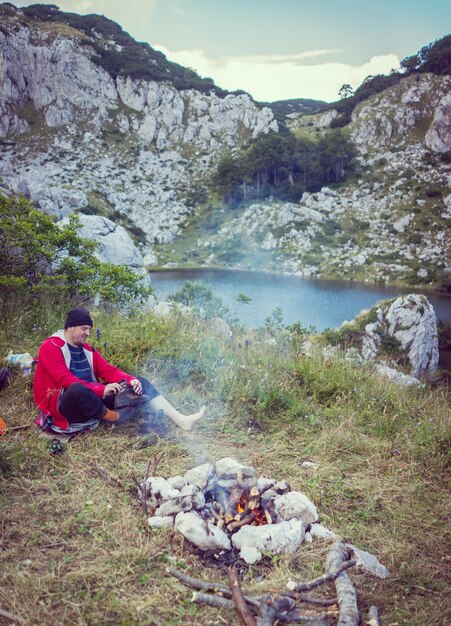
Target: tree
(346, 91)
(435, 58)
(337, 156)
(201, 299)
(42, 261)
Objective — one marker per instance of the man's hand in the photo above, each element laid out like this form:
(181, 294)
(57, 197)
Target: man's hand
(136, 386)
(111, 389)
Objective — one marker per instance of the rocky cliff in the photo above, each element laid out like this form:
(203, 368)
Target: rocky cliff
(77, 137)
(390, 223)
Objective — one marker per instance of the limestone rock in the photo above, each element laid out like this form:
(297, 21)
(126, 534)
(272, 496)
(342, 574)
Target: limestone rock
(386, 118)
(168, 308)
(395, 375)
(160, 522)
(200, 475)
(438, 137)
(368, 562)
(219, 328)
(117, 246)
(411, 319)
(296, 505)
(160, 487)
(229, 468)
(204, 535)
(273, 538)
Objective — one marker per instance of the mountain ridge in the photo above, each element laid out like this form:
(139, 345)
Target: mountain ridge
(143, 153)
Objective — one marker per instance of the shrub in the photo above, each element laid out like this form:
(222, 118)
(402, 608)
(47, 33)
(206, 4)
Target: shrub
(201, 299)
(42, 261)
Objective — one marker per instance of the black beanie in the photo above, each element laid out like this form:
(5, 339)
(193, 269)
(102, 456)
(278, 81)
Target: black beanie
(78, 317)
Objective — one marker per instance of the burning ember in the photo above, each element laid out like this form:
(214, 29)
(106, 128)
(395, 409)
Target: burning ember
(223, 505)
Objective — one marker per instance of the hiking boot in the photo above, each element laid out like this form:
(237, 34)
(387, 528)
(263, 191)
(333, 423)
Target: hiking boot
(127, 397)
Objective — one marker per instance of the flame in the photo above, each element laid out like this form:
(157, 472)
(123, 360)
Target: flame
(260, 515)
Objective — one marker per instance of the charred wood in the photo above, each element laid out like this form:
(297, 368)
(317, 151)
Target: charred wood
(242, 522)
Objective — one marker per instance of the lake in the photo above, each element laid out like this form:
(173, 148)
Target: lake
(321, 303)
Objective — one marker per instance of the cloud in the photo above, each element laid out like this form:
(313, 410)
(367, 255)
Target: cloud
(279, 77)
(294, 59)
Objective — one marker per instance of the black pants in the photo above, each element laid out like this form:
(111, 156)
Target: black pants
(80, 404)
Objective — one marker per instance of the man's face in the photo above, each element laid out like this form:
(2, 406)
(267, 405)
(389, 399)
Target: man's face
(77, 335)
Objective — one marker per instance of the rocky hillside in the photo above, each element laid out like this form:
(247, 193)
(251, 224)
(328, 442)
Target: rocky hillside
(93, 122)
(389, 223)
(79, 135)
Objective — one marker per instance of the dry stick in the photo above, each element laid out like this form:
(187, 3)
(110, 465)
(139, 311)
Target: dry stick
(137, 483)
(373, 617)
(156, 460)
(216, 601)
(346, 594)
(238, 598)
(319, 601)
(23, 427)
(146, 474)
(325, 578)
(242, 522)
(271, 611)
(11, 617)
(296, 617)
(200, 585)
(106, 475)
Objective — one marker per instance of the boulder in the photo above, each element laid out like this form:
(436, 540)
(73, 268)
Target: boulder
(273, 538)
(438, 137)
(204, 535)
(200, 476)
(411, 319)
(296, 505)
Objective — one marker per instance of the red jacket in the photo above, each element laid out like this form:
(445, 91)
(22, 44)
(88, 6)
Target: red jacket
(53, 375)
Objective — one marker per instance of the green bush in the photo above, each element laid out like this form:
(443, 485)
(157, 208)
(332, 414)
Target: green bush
(201, 299)
(42, 261)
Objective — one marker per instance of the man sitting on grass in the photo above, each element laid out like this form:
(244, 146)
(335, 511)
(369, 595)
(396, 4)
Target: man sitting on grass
(69, 394)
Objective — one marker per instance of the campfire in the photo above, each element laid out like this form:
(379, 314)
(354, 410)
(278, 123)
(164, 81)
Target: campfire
(226, 505)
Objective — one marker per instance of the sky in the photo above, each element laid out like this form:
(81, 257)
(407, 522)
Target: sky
(279, 49)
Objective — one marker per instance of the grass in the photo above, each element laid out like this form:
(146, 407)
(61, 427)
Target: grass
(75, 548)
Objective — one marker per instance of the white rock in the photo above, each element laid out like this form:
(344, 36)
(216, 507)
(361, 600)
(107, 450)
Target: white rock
(219, 328)
(411, 319)
(172, 507)
(204, 535)
(309, 465)
(201, 475)
(273, 538)
(250, 555)
(168, 308)
(177, 482)
(400, 225)
(319, 531)
(368, 562)
(160, 487)
(160, 522)
(396, 376)
(296, 505)
(229, 468)
(438, 137)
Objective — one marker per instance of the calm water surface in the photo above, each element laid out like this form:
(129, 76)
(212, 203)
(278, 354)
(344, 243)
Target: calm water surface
(322, 303)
